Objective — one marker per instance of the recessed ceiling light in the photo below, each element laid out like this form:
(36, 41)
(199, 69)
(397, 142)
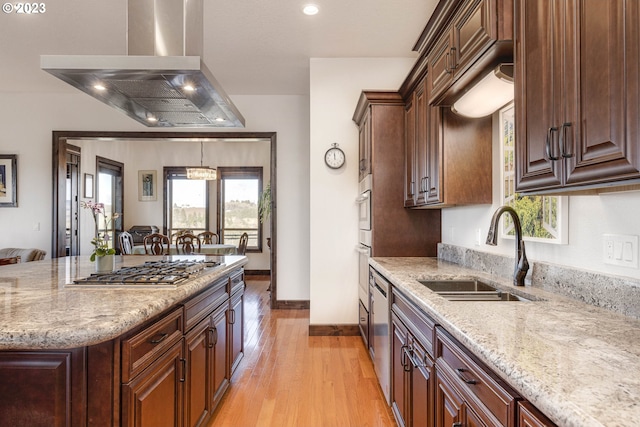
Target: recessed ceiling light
(310, 9)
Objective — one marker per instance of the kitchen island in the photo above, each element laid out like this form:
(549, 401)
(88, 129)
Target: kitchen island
(116, 355)
(576, 363)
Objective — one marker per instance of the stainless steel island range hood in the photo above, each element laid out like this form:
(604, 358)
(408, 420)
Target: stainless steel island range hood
(162, 82)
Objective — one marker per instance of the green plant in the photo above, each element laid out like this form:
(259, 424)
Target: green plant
(264, 204)
(101, 241)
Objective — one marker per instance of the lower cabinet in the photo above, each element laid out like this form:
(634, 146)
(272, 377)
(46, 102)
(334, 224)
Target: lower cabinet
(411, 364)
(435, 381)
(155, 397)
(236, 321)
(411, 373)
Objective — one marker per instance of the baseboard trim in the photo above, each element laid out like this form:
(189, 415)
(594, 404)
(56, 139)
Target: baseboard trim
(333, 330)
(292, 305)
(257, 272)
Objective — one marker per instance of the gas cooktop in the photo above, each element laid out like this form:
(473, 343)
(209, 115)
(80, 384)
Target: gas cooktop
(162, 273)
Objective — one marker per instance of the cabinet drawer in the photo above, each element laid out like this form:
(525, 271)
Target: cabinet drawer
(420, 325)
(489, 395)
(200, 306)
(141, 349)
(236, 281)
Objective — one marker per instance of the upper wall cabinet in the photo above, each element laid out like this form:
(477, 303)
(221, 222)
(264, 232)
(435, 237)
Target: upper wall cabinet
(480, 35)
(577, 94)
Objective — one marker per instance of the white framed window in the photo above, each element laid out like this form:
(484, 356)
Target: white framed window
(543, 218)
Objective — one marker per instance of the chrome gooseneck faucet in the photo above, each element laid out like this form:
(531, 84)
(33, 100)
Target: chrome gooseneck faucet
(522, 265)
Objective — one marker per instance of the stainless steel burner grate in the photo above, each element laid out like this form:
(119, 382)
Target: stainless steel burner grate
(162, 272)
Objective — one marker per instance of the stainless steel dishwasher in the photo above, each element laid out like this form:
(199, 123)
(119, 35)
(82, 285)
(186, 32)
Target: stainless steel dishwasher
(380, 334)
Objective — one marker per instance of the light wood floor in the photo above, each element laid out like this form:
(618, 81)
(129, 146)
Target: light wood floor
(290, 379)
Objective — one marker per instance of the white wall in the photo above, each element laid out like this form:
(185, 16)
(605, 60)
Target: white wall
(27, 120)
(335, 88)
(589, 218)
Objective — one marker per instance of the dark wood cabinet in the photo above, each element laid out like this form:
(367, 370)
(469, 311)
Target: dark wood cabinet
(236, 333)
(577, 94)
(412, 371)
(173, 370)
(447, 150)
(364, 146)
(44, 389)
(479, 36)
(395, 231)
(488, 399)
(155, 397)
(529, 416)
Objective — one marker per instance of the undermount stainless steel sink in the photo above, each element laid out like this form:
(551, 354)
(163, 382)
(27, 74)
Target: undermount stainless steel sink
(469, 290)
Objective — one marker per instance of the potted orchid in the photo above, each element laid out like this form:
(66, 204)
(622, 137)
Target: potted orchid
(102, 253)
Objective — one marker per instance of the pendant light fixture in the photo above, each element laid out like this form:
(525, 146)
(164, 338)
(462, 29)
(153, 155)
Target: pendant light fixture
(203, 172)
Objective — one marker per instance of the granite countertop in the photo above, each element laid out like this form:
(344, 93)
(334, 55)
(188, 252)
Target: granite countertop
(39, 310)
(577, 363)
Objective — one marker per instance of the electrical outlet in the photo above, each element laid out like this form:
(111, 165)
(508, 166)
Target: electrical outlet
(619, 249)
(478, 237)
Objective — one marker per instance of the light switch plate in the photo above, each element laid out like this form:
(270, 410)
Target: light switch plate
(619, 249)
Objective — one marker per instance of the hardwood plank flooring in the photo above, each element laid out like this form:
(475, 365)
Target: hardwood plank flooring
(288, 378)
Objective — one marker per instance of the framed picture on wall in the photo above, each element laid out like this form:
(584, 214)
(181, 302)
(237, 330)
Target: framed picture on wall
(147, 186)
(8, 180)
(88, 186)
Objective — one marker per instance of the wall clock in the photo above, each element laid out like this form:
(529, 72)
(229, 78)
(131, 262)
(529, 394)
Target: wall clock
(334, 157)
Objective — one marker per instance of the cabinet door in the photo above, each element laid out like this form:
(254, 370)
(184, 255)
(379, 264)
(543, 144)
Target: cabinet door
(421, 405)
(364, 164)
(154, 398)
(537, 92)
(198, 375)
(441, 64)
(449, 403)
(422, 135)
(529, 416)
(434, 155)
(410, 154)
(600, 120)
(42, 388)
(236, 337)
(473, 33)
(219, 354)
(399, 371)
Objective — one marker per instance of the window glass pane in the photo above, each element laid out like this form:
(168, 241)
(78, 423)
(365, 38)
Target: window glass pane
(188, 204)
(240, 207)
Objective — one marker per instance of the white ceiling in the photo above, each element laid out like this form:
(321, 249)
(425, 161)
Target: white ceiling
(253, 47)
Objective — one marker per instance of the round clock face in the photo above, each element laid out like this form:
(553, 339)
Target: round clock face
(334, 158)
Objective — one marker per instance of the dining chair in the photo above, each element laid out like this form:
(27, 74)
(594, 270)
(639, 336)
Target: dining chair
(242, 246)
(187, 243)
(126, 243)
(10, 260)
(156, 244)
(208, 237)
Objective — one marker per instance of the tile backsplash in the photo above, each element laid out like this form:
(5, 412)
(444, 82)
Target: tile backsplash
(616, 293)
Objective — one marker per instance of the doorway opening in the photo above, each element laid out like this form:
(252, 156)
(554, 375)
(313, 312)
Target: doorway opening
(62, 139)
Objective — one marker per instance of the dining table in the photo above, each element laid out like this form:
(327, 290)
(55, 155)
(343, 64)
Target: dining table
(208, 248)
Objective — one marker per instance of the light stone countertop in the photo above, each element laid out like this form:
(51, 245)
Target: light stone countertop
(38, 310)
(578, 364)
